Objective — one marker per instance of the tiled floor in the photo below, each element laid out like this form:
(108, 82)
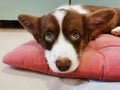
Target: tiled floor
(19, 79)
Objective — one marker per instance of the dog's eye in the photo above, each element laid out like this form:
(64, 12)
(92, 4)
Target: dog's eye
(75, 35)
(49, 36)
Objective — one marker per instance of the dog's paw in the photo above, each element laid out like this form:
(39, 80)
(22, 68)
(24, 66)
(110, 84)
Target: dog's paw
(116, 31)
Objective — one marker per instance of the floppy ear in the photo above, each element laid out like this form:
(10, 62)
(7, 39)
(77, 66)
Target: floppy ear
(101, 21)
(29, 22)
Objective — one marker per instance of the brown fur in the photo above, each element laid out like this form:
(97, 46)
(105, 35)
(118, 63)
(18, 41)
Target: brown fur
(74, 22)
(100, 20)
(48, 24)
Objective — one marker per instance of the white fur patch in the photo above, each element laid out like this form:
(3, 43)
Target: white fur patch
(77, 8)
(59, 14)
(61, 48)
(116, 31)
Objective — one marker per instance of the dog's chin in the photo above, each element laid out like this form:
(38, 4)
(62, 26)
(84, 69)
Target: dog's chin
(54, 68)
(52, 65)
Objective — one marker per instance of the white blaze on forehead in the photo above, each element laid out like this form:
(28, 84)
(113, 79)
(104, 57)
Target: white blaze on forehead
(59, 15)
(62, 48)
(77, 8)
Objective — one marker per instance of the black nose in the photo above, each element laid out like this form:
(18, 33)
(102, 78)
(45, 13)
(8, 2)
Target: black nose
(63, 64)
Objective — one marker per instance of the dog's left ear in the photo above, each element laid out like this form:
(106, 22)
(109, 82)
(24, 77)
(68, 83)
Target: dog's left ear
(101, 21)
(29, 22)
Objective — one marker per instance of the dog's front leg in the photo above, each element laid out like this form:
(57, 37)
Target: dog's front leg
(116, 31)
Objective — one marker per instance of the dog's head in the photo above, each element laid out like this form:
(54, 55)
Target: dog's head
(63, 34)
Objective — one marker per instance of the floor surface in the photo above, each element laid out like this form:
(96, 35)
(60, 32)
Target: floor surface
(19, 79)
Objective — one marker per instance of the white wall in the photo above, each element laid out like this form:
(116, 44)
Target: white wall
(9, 9)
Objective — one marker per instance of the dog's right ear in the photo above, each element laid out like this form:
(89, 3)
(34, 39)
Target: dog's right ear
(29, 22)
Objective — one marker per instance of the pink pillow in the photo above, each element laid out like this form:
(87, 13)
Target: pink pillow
(100, 59)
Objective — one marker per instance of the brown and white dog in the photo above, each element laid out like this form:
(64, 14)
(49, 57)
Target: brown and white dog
(65, 32)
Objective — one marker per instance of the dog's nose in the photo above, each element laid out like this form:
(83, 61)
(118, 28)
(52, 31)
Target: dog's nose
(63, 64)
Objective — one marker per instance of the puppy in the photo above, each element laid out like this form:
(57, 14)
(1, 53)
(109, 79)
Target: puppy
(66, 31)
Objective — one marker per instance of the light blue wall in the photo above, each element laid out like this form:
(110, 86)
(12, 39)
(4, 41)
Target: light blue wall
(9, 9)
(109, 3)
